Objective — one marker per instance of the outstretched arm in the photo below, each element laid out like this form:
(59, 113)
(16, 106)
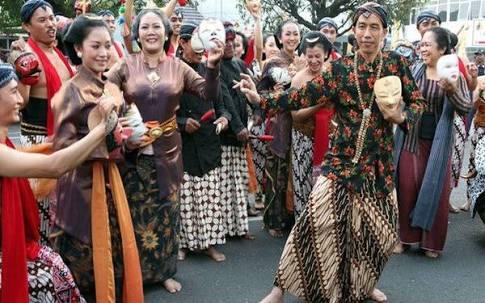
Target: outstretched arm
(169, 8)
(15, 163)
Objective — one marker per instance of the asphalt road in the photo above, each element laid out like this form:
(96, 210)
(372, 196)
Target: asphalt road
(247, 275)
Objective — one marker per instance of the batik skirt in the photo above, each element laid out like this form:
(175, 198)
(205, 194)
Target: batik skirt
(234, 190)
(275, 215)
(458, 149)
(340, 243)
(155, 221)
(302, 169)
(259, 149)
(46, 206)
(50, 280)
(78, 255)
(201, 220)
(478, 134)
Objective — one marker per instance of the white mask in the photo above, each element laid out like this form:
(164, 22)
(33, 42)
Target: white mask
(280, 75)
(447, 68)
(196, 43)
(388, 90)
(210, 29)
(135, 121)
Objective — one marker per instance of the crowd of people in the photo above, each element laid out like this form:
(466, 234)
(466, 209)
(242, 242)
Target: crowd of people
(145, 150)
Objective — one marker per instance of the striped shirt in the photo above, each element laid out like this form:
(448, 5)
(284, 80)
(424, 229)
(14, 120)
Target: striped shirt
(434, 96)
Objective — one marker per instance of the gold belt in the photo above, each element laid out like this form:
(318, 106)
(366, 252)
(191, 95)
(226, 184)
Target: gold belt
(157, 129)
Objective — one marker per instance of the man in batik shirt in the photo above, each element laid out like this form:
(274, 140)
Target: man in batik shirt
(341, 242)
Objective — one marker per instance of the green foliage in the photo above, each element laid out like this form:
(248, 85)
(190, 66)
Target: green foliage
(309, 12)
(10, 10)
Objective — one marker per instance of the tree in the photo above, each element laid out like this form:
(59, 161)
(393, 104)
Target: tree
(309, 12)
(10, 10)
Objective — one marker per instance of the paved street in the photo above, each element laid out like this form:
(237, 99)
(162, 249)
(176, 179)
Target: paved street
(247, 275)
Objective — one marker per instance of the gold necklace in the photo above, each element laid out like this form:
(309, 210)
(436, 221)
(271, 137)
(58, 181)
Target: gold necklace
(366, 111)
(153, 76)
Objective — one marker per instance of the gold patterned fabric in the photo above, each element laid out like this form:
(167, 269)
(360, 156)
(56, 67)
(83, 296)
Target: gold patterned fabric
(339, 245)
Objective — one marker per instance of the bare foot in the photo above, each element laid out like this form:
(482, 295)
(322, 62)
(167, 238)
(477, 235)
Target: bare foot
(215, 255)
(453, 209)
(400, 248)
(249, 236)
(275, 296)
(432, 254)
(172, 286)
(466, 206)
(378, 296)
(275, 233)
(182, 254)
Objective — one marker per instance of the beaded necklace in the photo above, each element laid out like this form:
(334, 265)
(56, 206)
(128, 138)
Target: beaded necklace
(366, 111)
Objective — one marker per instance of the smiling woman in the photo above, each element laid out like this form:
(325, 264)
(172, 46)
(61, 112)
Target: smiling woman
(86, 212)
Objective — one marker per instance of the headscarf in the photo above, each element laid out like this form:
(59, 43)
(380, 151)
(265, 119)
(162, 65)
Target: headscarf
(327, 22)
(426, 15)
(29, 8)
(369, 8)
(7, 73)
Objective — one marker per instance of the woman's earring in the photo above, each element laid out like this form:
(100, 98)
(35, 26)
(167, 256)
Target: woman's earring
(79, 54)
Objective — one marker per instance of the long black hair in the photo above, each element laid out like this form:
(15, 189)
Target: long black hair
(77, 33)
(166, 24)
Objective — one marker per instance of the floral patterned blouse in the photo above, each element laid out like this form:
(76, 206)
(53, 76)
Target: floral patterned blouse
(338, 86)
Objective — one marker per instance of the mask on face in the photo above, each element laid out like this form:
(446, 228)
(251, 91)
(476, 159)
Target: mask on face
(280, 75)
(388, 90)
(447, 68)
(209, 30)
(254, 6)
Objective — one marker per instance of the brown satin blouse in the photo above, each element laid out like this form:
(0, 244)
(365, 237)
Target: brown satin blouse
(159, 101)
(72, 105)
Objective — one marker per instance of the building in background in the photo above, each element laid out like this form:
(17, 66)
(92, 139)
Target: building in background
(466, 18)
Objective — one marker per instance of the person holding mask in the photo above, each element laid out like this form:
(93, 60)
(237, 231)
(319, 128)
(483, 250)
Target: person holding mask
(37, 121)
(336, 232)
(201, 224)
(424, 169)
(153, 171)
